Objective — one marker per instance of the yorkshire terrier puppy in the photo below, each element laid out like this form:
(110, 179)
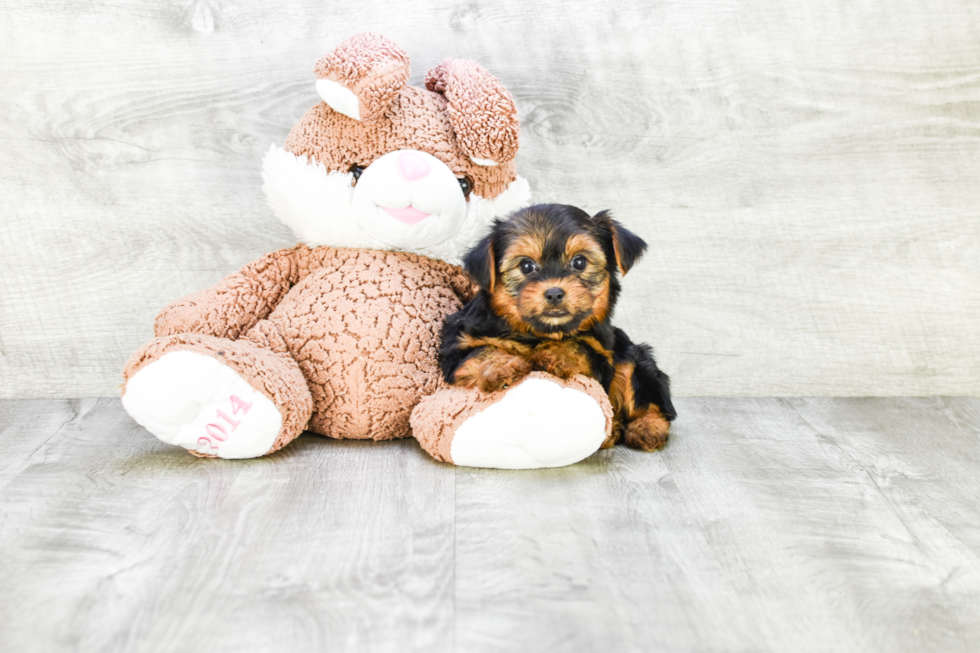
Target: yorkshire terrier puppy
(548, 279)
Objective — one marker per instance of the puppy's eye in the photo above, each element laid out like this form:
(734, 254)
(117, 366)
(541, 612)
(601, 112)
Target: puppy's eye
(579, 263)
(356, 171)
(527, 266)
(465, 185)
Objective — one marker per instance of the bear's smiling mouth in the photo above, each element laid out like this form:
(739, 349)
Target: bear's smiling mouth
(408, 215)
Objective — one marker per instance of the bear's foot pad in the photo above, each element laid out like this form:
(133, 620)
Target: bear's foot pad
(536, 424)
(196, 402)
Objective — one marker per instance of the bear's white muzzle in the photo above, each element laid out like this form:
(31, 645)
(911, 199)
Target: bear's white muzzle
(408, 198)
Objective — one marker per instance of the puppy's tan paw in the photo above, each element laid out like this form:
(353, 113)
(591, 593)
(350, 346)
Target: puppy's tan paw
(563, 359)
(502, 371)
(492, 372)
(648, 432)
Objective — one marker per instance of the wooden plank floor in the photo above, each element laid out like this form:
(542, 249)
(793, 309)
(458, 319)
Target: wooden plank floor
(765, 525)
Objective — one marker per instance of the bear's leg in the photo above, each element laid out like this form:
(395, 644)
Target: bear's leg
(541, 421)
(217, 397)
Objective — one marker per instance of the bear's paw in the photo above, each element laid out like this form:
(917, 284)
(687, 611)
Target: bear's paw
(196, 402)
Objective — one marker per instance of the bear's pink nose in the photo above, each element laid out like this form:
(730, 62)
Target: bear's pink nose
(412, 166)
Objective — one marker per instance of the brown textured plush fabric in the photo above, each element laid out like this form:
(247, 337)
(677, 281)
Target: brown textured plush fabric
(435, 420)
(465, 111)
(370, 66)
(486, 130)
(276, 375)
(233, 305)
(344, 341)
(362, 326)
(418, 120)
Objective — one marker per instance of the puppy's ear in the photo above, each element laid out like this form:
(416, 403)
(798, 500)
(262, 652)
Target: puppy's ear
(481, 264)
(627, 246)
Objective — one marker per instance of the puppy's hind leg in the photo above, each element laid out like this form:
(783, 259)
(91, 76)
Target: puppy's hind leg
(647, 432)
(640, 393)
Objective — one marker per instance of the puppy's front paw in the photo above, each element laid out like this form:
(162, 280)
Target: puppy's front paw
(647, 433)
(563, 359)
(493, 372)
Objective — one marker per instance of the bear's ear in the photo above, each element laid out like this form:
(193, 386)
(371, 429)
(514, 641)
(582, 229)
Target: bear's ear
(481, 110)
(627, 246)
(480, 264)
(361, 76)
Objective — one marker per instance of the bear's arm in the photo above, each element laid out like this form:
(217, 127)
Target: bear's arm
(232, 306)
(462, 286)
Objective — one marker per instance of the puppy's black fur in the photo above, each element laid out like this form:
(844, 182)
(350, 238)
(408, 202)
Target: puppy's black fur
(549, 280)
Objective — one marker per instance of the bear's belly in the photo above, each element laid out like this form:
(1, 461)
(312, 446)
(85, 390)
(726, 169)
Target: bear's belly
(366, 335)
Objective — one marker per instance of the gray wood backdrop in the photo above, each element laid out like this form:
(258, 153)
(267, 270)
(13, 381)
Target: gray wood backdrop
(806, 172)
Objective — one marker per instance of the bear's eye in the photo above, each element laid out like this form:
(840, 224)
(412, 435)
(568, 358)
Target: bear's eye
(527, 266)
(579, 263)
(356, 171)
(466, 185)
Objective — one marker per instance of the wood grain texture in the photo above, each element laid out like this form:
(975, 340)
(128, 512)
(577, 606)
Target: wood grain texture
(764, 525)
(113, 541)
(806, 173)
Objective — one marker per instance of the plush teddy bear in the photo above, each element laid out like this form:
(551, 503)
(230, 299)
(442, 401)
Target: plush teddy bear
(386, 186)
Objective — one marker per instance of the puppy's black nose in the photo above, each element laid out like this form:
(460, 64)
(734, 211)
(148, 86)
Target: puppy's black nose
(554, 295)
